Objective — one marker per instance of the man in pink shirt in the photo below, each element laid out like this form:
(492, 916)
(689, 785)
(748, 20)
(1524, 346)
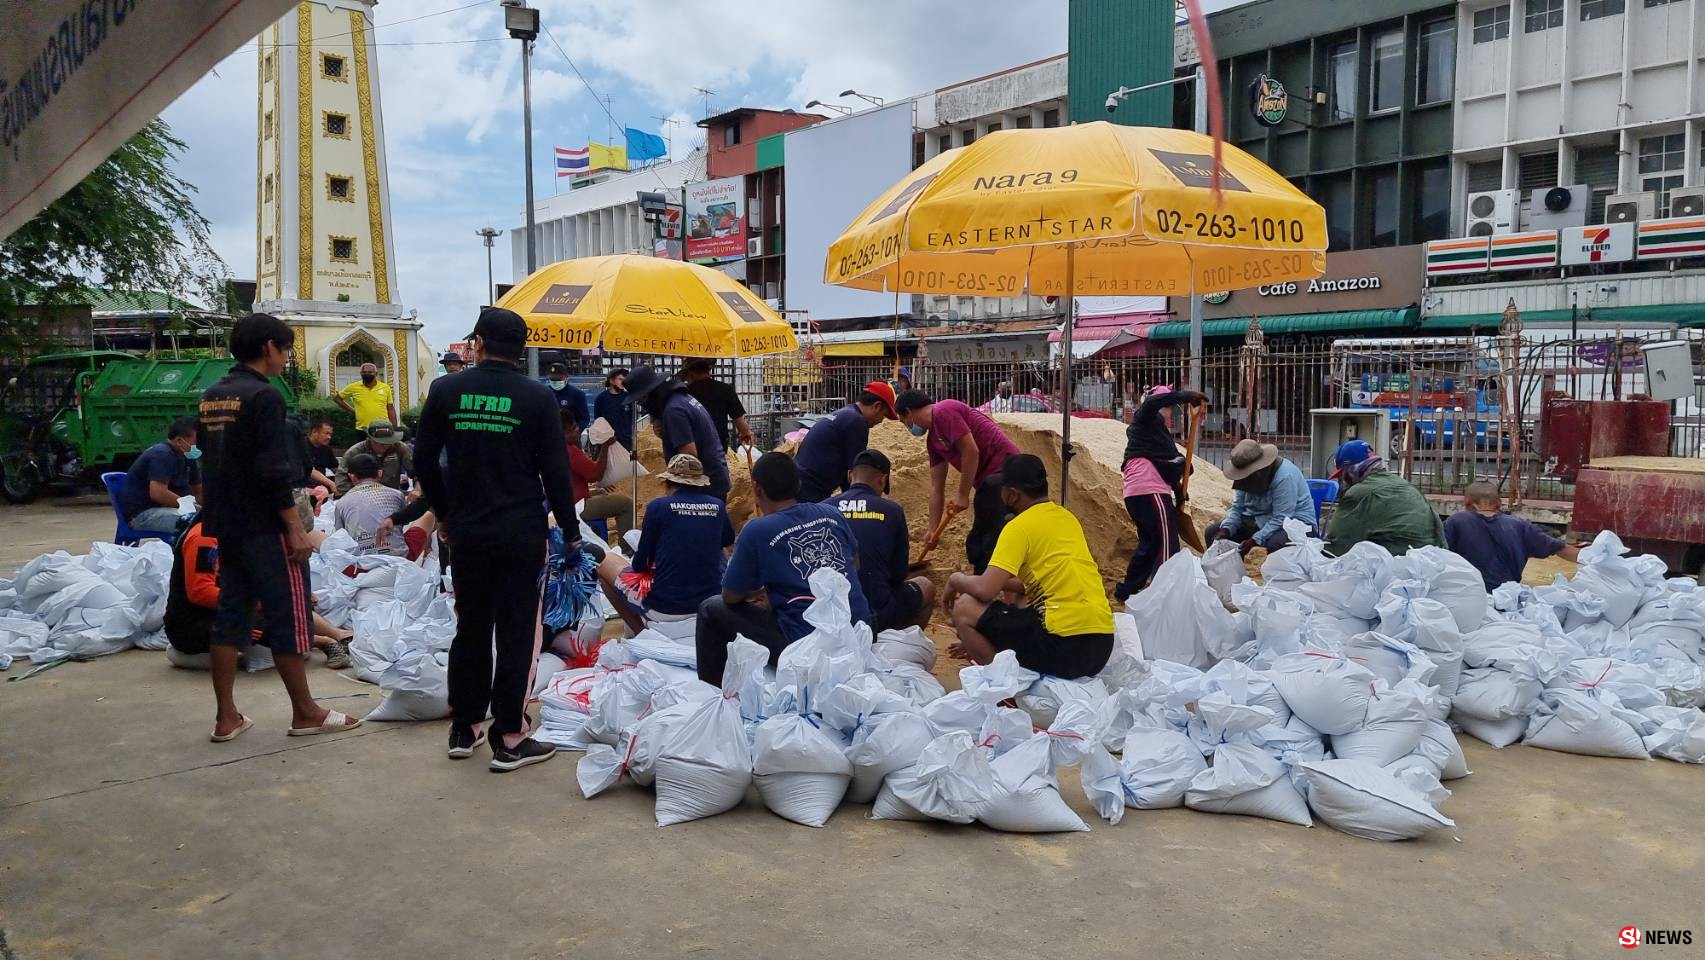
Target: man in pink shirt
(975, 446)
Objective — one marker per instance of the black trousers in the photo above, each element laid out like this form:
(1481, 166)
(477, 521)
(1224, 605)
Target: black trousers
(497, 594)
(813, 490)
(1157, 538)
(988, 516)
(720, 622)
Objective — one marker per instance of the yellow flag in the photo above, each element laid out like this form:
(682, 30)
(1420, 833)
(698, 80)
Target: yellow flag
(606, 157)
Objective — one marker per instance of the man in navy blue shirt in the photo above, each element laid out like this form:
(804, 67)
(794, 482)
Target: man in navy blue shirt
(884, 547)
(159, 476)
(569, 397)
(681, 542)
(614, 406)
(827, 452)
(682, 423)
(767, 587)
(1498, 544)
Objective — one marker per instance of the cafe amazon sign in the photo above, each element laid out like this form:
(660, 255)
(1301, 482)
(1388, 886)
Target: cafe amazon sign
(1379, 279)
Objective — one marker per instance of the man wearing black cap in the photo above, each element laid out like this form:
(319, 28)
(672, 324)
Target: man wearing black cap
(1065, 626)
(506, 456)
(682, 423)
(570, 398)
(884, 546)
(719, 398)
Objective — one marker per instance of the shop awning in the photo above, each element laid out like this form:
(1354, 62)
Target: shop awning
(857, 348)
(1680, 314)
(1293, 323)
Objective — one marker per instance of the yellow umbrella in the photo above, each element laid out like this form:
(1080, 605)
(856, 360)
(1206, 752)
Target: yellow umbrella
(1094, 209)
(633, 304)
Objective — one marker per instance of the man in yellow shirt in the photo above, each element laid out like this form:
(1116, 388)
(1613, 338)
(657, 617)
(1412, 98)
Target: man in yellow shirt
(368, 400)
(1064, 626)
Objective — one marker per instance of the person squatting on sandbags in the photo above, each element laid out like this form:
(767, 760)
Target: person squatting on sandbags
(506, 456)
(767, 586)
(368, 513)
(680, 546)
(826, 454)
(192, 596)
(1268, 490)
(971, 443)
(384, 441)
(1153, 470)
(1497, 543)
(249, 470)
(1378, 505)
(1064, 628)
(682, 423)
(884, 546)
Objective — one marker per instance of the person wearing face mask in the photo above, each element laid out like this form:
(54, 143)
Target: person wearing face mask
(1002, 401)
(1378, 505)
(159, 476)
(1064, 626)
(1267, 490)
(368, 400)
(615, 407)
(570, 399)
(827, 452)
(966, 439)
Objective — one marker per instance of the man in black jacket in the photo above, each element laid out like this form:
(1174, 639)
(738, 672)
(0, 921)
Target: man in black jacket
(251, 465)
(506, 456)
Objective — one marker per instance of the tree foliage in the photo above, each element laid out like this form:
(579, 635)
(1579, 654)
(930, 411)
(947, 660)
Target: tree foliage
(130, 224)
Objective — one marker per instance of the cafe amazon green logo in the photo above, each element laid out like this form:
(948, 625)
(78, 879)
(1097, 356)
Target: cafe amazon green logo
(1216, 298)
(1269, 100)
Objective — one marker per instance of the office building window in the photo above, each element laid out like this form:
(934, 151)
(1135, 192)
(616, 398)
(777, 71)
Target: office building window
(1492, 23)
(944, 143)
(1339, 202)
(1435, 74)
(1484, 175)
(340, 188)
(1544, 15)
(1051, 118)
(1341, 81)
(337, 125)
(1594, 9)
(968, 137)
(1537, 170)
(1021, 122)
(1381, 205)
(332, 67)
(343, 249)
(993, 127)
(1387, 92)
(1432, 202)
(1661, 162)
(1660, 3)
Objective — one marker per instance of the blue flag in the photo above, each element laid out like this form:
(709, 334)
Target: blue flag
(645, 146)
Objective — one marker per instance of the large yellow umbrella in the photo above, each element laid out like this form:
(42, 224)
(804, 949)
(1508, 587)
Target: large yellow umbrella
(1094, 209)
(634, 304)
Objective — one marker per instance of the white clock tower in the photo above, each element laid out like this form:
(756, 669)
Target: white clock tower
(325, 262)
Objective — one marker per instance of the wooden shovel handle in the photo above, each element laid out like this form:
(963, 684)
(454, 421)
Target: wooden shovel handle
(934, 537)
(1194, 431)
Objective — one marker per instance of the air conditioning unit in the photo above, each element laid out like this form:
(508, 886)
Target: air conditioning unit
(754, 246)
(1558, 208)
(1630, 207)
(1494, 212)
(1687, 202)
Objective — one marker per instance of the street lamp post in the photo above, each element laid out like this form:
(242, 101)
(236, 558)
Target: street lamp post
(843, 111)
(873, 101)
(523, 25)
(490, 235)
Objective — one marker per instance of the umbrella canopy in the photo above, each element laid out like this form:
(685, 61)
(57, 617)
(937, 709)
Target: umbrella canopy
(634, 304)
(1133, 205)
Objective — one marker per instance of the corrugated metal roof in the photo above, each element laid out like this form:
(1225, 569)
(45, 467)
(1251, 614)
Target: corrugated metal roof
(1293, 323)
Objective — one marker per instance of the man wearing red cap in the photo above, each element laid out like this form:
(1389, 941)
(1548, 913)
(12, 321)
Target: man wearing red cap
(827, 452)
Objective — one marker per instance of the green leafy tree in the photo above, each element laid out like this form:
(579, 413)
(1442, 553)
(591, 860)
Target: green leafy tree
(131, 224)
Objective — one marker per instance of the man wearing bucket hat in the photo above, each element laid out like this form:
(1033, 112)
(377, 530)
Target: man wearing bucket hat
(827, 452)
(682, 423)
(385, 443)
(1378, 505)
(681, 543)
(1268, 490)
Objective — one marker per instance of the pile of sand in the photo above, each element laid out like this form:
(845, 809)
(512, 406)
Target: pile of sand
(741, 503)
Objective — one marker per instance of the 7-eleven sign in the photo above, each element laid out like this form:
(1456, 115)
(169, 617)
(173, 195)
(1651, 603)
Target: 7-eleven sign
(1600, 243)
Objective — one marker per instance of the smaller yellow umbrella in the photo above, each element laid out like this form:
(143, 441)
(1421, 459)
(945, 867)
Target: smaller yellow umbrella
(633, 304)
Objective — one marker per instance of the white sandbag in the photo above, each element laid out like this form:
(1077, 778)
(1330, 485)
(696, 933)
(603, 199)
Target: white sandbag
(848, 706)
(1572, 721)
(1492, 693)
(636, 753)
(20, 637)
(1442, 750)
(1634, 685)
(378, 639)
(1157, 767)
(1451, 580)
(1682, 682)
(1395, 724)
(417, 687)
(801, 770)
(549, 666)
(1389, 658)
(1218, 719)
(1419, 776)
(1001, 679)
(1679, 736)
(1180, 618)
(1222, 566)
(1026, 796)
(1619, 581)
(654, 645)
(1497, 734)
(1351, 584)
(1043, 699)
(1101, 783)
(1329, 693)
(1407, 613)
(1290, 567)
(1245, 780)
(836, 648)
(907, 646)
(883, 744)
(958, 710)
(622, 694)
(950, 781)
(1003, 728)
(912, 682)
(1362, 800)
(704, 765)
(1276, 617)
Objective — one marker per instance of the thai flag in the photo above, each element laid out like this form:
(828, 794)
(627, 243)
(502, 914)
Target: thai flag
(570, 162)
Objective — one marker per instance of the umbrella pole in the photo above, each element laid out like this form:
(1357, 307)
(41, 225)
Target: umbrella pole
(1066, 373)
(633, 457)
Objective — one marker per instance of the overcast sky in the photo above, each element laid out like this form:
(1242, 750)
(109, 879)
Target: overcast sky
(452, 108)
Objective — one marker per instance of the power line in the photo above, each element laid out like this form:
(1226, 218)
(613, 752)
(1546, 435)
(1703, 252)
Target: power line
(392, 23)
(393, 43)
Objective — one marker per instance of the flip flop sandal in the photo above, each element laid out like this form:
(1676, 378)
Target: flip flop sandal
(234, 734)
(334, 723)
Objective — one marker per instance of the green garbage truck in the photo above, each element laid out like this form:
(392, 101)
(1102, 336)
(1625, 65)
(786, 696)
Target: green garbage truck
(67, 417)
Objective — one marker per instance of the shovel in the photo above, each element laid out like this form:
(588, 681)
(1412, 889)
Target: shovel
(934, 537)
(1182, 519)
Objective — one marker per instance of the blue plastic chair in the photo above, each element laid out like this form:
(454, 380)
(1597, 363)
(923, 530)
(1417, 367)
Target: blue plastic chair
(1324, 492)
(125, 535)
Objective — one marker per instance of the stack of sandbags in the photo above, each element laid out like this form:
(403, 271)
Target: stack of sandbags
(111, 599)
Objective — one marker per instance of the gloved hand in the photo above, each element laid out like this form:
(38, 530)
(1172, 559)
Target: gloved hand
(571, 553)
(1225, 534)
(1244, 547)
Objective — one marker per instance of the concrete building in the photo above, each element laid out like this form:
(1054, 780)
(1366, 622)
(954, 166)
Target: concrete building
(601, 217)
(325, 260)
